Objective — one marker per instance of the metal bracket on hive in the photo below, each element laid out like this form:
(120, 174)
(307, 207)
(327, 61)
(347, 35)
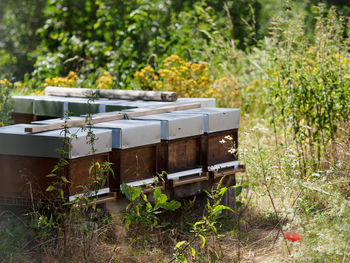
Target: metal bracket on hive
(223, 169)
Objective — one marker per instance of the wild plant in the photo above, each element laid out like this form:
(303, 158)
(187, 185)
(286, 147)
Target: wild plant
(308, 87)
(73, 222)
(141, 212)
(207, 229)
(6, 106)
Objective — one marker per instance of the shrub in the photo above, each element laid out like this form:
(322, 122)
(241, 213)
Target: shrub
(5, 102)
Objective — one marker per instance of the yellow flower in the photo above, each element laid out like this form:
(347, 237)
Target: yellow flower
(5, 82)
(67, 81)
(337, 56)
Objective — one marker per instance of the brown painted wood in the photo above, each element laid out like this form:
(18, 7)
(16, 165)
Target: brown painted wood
(78, 171)
(180, 154)
(112, 117)
(24, 118)
(228, 171)
(133, 164)
(26, 177)
(215, 152)
(190, 179)
(18, 118)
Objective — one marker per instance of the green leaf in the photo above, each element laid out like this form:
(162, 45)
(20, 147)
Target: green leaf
(199, 223)
(203, 240)
(64, 179)
(193, 252)
(222, 191)
(50, 188)
(132, 193)
(172, 205)
(51, 175)
(180, 244)
(160, 199)
(135, 193)
(239, 204)
(62, 193)
(239, 189)
(126, 191)
(219, 208)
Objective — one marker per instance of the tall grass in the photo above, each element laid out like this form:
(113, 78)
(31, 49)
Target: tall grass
(294, 137)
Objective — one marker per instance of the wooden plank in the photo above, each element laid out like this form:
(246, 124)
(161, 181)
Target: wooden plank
(112, 117)
(191, 179)
(70, 92)
(138, 95)
(112, 94)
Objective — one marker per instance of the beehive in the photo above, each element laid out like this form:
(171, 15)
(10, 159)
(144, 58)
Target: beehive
(27, 159)
(220, 136)
(134, 151)
(184, 144)
(180, 151)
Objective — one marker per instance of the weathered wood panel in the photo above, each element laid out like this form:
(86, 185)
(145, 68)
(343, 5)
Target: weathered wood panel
(25, 118)
(180, 154)
(26, 177)
(216, 152)
(78, 171)
(133, 164)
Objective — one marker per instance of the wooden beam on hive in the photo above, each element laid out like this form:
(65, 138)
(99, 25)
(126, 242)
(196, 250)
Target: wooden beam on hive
(112, 117)
(112, 94)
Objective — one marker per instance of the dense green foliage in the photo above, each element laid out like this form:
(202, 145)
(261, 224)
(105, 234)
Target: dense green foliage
(119, 36)
(46, 38)
(286, 64)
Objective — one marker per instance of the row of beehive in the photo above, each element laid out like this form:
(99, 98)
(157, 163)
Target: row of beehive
(32, 108)
(184, 144)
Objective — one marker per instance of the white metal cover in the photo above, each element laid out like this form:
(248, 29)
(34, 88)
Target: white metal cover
(175, 126)
(132, 133)
(15, 141)
(217, 119)
(205, 102)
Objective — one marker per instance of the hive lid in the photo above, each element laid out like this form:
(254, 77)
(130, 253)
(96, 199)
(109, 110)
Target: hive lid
(23, 104)
(205, 102)
(175, 126)
(217, 119)
(132, 133)
(56, 106)
(15, 141)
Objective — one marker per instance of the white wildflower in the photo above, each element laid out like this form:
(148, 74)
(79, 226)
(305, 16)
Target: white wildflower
(232, 151)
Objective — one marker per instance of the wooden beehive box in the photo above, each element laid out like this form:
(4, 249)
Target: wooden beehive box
(27, 159)
(135, 149)
(180, 150)
(220, 134)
